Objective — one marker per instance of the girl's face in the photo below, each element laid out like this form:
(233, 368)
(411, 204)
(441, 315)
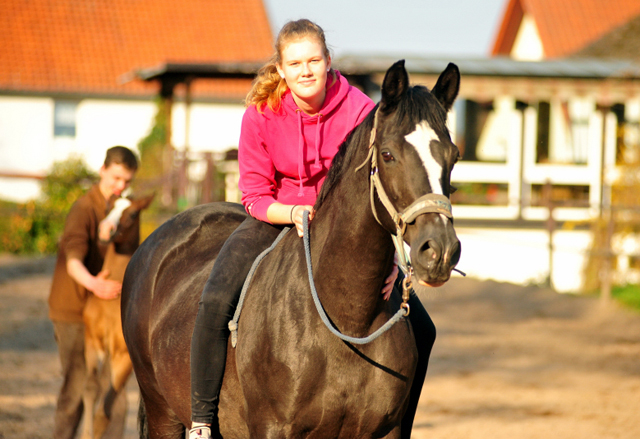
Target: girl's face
(304, 67)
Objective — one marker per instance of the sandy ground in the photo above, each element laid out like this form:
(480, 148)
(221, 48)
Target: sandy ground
(509, 362)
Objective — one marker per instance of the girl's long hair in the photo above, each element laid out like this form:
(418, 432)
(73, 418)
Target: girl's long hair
(268, 87)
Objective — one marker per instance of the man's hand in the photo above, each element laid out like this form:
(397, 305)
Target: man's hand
(106, 229)
(104, 288)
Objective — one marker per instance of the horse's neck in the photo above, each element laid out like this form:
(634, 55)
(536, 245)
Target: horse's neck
(115, 262)
(128, 243)
(351, 253)
(120, 251)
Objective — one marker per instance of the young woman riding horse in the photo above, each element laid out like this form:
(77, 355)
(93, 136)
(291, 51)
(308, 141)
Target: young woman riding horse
(299, 112)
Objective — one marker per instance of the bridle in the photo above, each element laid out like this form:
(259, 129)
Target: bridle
(428, 203)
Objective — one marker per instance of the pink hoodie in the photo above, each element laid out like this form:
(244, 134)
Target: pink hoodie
(285, 156)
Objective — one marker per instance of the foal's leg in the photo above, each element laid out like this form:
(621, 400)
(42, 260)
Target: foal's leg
(92, 387)
(113, 404)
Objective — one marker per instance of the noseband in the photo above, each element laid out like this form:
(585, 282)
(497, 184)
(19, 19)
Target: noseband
(428, 203)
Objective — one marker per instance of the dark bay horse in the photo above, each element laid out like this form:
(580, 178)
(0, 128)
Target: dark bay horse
(289, 377)
(103, 336)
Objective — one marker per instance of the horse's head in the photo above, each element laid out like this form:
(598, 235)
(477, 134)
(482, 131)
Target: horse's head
(414, 156)
(124, 219)
(130, 217)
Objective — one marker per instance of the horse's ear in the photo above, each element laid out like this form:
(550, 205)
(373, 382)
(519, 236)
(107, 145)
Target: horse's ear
(447, 87)
(394, 86)
(144, 202)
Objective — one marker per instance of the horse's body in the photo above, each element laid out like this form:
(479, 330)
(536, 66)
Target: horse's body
(103, 338)
(289, 377)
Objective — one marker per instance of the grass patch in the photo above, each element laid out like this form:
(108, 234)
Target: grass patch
(628, 295)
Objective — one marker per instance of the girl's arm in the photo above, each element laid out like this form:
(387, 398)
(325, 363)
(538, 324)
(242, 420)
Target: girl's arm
(278, 213)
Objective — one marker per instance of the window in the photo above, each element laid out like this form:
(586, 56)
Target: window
(542, 137)
(64, 118)
(475, 116)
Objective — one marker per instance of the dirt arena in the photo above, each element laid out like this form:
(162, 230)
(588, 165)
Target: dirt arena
(509, 362)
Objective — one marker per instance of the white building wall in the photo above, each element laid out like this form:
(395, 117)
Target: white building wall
(102, 124)
(213, 127)
(528, 45)
(522, 256)
(26, 133)
(28, 144)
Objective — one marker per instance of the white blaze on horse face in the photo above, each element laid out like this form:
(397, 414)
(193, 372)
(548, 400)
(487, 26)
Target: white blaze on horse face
(421, 139)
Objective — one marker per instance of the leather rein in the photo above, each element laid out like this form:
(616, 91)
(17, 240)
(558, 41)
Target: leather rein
(428, 203)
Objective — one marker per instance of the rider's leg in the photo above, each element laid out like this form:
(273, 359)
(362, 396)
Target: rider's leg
(424, 332)
(217, 305)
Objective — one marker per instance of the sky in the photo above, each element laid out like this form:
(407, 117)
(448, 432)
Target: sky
(456, 28)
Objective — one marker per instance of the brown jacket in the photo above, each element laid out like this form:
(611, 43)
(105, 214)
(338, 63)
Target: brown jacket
(79, 240)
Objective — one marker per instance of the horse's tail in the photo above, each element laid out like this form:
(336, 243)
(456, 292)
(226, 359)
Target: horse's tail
(143, 425)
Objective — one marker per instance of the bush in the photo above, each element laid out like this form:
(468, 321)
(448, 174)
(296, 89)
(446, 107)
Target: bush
(628, 295)
(36, 226)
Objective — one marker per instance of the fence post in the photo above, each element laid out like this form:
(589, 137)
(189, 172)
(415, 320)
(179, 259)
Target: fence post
(551, 226)
(605, 273)
(207, 182)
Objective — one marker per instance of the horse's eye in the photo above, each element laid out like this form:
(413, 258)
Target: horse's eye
(387, 156)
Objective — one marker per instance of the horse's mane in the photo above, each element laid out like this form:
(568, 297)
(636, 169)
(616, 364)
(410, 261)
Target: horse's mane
(358, 136)
(418, 104)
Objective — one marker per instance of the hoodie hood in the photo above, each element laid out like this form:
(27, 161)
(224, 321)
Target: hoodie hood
(335, 94)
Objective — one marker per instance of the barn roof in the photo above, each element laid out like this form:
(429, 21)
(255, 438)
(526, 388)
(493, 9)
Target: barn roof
(621, 43)
(569, 68)
(564, 26)
(90, 47)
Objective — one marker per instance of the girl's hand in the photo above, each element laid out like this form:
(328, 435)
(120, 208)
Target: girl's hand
(296, 216)
(389, 281)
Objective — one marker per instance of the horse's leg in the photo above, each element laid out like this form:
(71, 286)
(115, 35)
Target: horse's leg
(92, 386)
(120, 369)
(394, 434)
(161, 421)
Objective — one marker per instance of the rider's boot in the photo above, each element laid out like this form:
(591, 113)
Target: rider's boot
(199, 431)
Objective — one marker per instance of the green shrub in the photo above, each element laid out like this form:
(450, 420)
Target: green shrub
(628, 295)
(36, 226)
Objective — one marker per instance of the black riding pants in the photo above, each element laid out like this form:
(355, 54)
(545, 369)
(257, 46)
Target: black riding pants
(424, 332)
(217, 306)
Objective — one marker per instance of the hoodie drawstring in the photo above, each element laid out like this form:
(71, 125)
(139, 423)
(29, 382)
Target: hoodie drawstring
(317, 163)
(300, 148)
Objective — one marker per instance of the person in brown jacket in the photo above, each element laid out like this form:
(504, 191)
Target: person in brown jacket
(77, 271)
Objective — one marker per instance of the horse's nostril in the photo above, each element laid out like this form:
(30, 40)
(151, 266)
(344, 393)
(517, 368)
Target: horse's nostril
(430, 250)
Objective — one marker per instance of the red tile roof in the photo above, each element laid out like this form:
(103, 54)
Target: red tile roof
(621, 43)
(565, 26)
(88, 47)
